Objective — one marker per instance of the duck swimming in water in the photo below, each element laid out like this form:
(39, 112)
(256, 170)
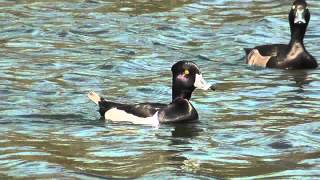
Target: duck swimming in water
(287, 56)
(186, 77)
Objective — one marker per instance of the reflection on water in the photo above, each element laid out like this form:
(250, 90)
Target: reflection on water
(260, 123)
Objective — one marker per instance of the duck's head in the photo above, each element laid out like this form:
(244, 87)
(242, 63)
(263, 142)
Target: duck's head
(299, 14)
(186, 77)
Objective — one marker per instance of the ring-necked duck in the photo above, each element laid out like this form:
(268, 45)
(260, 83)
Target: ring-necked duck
(291, 56)
(186, 77)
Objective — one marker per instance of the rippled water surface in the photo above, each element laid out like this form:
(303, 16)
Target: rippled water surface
(260, 123)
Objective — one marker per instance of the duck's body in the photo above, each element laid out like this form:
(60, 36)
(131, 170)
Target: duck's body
(141, 110)
(180, 110)
(281, 56)
(186, 77)
(286, 56)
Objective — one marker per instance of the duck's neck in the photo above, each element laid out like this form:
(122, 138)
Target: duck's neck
(296, 42)
(179, 93)
(297, 34)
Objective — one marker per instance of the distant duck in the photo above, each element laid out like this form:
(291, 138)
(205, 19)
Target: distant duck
(291, 56)
(186, 77)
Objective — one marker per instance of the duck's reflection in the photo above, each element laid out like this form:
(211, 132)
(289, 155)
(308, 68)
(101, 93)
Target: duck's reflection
(301, 78)
(183, 133)
(186, 130)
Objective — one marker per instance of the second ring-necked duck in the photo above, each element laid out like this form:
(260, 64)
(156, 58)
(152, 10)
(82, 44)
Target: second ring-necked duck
(186, 77)
(283, 56)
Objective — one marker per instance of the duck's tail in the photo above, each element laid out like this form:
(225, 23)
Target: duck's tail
(103, 105)
(247, 50)
(94, 97)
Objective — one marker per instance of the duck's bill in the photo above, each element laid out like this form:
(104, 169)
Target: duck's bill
(299, 18)
(200, 83)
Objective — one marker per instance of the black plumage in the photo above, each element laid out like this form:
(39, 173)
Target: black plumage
(287, 56)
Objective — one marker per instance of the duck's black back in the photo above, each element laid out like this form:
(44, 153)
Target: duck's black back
(141, 110)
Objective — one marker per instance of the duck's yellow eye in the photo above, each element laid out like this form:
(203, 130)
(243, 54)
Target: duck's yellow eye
(293, 7)
(186, 72)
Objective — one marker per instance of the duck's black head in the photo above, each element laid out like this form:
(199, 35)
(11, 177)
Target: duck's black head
(186, 77)
(299, 17)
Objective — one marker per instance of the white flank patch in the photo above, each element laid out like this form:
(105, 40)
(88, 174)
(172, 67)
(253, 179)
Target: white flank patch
(256, 59)
(117, 115)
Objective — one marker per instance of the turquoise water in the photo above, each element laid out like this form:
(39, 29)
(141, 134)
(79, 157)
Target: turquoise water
(259, 124)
